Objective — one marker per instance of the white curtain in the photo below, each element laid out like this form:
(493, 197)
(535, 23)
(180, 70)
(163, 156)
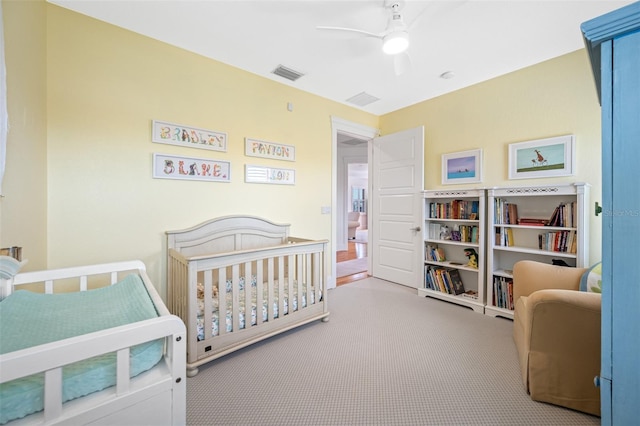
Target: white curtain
(4, 119)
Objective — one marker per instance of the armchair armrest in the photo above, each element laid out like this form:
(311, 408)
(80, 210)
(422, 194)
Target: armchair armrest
(563, 347)
(530, 276)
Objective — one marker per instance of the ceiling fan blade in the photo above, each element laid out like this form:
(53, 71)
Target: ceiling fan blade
(401, 63)
(353, 30)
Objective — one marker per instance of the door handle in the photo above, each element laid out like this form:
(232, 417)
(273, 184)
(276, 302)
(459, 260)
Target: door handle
(416, 229)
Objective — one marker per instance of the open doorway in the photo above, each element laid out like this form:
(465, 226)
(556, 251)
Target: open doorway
(353, 189)
(351, 142)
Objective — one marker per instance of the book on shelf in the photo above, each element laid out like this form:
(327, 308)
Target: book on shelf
(504, 237)
(505, 212)
(444, 280)
(503, 292)
(564, 215)
(434, 254)
(456, 209)
(456, 281)
(560, 241)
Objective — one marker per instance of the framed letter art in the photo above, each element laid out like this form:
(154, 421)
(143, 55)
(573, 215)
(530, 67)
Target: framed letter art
(190, 168)
(192, 137)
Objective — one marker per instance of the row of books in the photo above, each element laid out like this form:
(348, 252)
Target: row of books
(445, 280)
(564, 215)
(503, 292)
(434, 254)
(504, 237)
(462, 233)
(505, 212)
(561, 241)
(456, 209)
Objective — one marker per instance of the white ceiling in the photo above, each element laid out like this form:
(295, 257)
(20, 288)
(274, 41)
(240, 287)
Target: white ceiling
(475, 40)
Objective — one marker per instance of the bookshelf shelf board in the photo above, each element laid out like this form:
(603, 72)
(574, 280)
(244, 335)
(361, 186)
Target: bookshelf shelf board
(455, 243)
(535, 251)
(494, 311)
(437, 219)
(503, 273)
(541, 228)
(448, 264)
(476, 304)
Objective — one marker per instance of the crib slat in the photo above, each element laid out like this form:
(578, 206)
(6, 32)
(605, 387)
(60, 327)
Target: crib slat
(299, 278)
(270, 289)
(308, 277)
(48, 286)
(122, 371)
(52, 394)
(259, 291)
(316, 277)
(280, 286)
(114, 278)
(208, 303)
(222, 301)
(235, 294)
(83, 283)
(291, 262)
(247, 294)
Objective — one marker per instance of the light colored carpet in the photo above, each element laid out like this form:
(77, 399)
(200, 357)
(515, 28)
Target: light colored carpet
(350, 267)
(386, 357)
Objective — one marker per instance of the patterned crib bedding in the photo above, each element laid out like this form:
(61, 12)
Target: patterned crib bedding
(53, 317)
(215, 317)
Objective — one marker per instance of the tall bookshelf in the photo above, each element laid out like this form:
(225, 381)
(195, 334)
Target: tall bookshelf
(453, 222)
(541, 223)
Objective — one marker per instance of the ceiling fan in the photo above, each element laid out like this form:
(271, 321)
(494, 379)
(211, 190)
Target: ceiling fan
(395, 38)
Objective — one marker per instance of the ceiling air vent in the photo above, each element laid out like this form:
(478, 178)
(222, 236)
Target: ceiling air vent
(362, 99)
(287, 73)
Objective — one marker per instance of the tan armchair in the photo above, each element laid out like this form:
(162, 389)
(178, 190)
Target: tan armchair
(556, 330)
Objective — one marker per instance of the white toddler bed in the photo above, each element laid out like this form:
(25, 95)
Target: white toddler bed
(257, 280)
(90, 345)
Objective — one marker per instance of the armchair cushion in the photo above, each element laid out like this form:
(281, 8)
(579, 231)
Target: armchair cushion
(557, 335)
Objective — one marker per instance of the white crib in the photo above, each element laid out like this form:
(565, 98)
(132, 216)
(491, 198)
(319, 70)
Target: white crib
(153, 397)
(257, 280)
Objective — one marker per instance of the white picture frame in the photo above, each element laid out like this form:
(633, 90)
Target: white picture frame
(269, 175)
(462, 167)
(167, 166)
(266, 149)
(189, 136)
(542, 158)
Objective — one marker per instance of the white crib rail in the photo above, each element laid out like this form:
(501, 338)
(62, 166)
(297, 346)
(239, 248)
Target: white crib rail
(50, 358)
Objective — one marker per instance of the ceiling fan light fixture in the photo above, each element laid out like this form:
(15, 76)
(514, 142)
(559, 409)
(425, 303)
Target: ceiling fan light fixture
(395, 42)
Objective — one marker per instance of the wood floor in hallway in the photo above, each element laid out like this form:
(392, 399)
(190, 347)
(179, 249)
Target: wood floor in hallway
(354, 251)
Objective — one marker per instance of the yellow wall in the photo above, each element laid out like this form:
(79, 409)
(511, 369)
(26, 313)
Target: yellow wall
(106, 85)
(23, 210)
(553, 98)
(80, 190)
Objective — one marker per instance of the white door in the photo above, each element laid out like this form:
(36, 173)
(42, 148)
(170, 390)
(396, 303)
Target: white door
(397, 180)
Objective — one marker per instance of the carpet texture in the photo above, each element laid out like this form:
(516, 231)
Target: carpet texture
(386, 357)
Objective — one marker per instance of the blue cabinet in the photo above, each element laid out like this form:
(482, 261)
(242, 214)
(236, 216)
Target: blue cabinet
(613, 42)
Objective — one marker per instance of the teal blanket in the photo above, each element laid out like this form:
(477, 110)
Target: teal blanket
(29, 319)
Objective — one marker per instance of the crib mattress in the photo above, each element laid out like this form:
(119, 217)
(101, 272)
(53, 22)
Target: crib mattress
(263, 311)
(29, 319)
